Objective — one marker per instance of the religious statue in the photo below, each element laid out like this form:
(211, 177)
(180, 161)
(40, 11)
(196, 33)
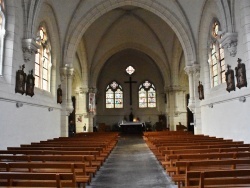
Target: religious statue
(201, 91)
(240, 73)
(30, 83)
(230, 79)
(20, 80)
(59, 95)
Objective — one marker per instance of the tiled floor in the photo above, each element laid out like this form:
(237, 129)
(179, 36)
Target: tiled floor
(131, 165)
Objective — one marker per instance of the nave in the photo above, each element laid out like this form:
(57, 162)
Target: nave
(131, 164)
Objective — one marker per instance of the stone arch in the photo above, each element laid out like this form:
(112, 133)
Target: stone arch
(47, 16)
(79, 27)
(166, 74)
(209, 14)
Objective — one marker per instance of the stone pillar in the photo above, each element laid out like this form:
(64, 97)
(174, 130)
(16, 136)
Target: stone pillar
(176, 107)
(245, 25)
(64, 112)
(91, 113)
(67, 106)
(191, 104)
(82, 119)
(197, 111)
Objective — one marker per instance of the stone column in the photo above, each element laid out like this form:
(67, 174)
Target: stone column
(245, 25)
(176, 107)
(91, 113)
(64, 112)
(191, 104)
(197, 111)
(70, 73)
(82, 119)
(67, 106)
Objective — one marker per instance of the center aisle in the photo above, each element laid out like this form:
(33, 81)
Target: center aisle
(130, 165)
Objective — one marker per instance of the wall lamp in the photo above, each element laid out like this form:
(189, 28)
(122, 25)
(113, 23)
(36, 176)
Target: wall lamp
(242, 99)
(50, 109)
(211, 105)
(19, 104)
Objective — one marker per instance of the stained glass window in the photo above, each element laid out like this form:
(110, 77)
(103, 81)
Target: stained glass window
(114, 95)
(130, 70)
(216, 57)
(147, 95)
(43, 61)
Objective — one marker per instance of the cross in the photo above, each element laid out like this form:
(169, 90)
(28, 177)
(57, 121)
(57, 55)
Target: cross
(130, 82)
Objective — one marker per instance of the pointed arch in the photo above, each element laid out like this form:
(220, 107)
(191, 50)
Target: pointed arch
(80, 25)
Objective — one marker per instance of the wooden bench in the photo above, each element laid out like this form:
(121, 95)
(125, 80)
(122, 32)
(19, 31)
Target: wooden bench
(77, 168)
(218, 178)
(184, 166)
(17, 179)
(90, 170)
(46, 150)
(172, 159)
(90, 161)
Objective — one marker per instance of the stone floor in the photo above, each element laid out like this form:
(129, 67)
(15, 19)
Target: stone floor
(131, 165)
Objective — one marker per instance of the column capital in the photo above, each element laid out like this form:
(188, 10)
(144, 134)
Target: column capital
(193, 69)
(174, 88)
(70, 71)
(82, 90)
(196, 68)
(229, 41)
(92, 90)
(29, 47)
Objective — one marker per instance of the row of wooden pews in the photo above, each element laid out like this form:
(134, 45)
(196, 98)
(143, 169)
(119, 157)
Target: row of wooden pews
(198, 161)
(59, 162)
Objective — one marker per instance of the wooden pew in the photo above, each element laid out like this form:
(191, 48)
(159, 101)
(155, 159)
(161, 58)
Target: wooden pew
(77, 168)
(172, 159)
(218, 179)
(80, 150)
(17, 179)
(90, 170)
(90, 161)
(182, 167)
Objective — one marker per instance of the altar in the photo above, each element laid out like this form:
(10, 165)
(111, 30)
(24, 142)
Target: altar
(132, 127)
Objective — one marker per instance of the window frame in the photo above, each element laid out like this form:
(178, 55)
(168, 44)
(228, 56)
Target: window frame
(43, 54)
(215, 60)
(113, 87)
(146, 89)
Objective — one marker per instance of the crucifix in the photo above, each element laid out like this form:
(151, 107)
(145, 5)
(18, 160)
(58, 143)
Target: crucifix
(130, 82)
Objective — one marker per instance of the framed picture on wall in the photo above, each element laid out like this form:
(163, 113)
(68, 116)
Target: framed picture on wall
(240, 74)
(230, 79)
(20, 81)
(30, 83)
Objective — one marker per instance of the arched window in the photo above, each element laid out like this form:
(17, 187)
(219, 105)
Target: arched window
(43, 61)
(147, 95)
(216, 57)
(2, 33)
(114, 95)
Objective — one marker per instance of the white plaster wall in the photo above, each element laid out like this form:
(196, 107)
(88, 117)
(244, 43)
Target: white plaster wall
(27, 124)
(229, 119)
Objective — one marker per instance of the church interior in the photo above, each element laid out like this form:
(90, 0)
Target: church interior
(160, 68)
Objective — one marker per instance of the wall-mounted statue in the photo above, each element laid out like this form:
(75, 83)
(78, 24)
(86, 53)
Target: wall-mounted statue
(240, 73)
(230, 79)
(200, 91)
(20, 80)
